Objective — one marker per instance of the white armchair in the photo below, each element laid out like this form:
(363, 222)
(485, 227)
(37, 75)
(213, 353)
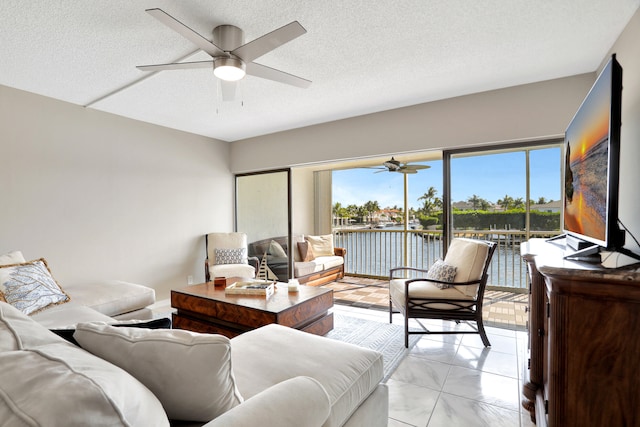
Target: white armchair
(227, 256)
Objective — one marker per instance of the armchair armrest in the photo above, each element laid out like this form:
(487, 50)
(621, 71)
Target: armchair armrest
(393, 271)
(254, 262)
(340, 252)
(284, 405)
(207, 277)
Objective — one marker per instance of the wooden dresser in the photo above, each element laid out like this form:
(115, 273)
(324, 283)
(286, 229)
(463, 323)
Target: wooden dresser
(584, 341)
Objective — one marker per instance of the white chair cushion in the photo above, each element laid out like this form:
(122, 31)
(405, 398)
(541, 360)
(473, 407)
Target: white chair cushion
(469, 257)
(232, 270)
(189, 373)
(271, 354)
(425, 289)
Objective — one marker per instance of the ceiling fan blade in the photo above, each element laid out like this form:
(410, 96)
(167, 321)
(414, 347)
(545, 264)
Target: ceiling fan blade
(265, 44)
(416, 167)
(176, 66)
(228, 90)
(269, 73)
(186, 32)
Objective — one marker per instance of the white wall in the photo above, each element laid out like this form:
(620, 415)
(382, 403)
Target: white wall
(533, 111)
(529, 112)
(627, 50)
(104, 197)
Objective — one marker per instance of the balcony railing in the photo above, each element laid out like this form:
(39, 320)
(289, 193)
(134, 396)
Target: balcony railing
(371, 253)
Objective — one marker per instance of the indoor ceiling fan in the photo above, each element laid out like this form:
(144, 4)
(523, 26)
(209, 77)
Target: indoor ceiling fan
(394, 165)
(232, 58)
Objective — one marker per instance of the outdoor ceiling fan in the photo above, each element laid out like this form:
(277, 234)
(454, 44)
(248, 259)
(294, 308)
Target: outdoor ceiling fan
(232, 58)
(394, 165)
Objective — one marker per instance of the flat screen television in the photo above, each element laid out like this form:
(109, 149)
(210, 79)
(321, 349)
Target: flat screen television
(592, 167)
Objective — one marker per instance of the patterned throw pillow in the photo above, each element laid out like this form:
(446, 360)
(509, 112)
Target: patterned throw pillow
(306, 253)
(29, 286)
(443, 272)
(231, 256)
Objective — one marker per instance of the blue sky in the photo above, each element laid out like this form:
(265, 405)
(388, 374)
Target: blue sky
(491, 177)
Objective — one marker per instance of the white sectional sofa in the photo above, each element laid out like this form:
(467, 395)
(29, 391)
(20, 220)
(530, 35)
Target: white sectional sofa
(129, 376)
(92, 301)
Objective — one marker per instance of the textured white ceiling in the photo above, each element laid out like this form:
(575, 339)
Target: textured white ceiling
(362, 56)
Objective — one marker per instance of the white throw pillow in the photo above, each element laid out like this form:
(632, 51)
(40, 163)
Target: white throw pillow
(321, 245)
(277, 250)
(189, 373)
(14, 257)
(30, 287)
(61, 384)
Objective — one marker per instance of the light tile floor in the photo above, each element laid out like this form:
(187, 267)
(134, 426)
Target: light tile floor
(448, 380)
(453, 380)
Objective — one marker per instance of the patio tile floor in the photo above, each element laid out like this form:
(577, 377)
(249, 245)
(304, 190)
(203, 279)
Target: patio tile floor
(501, 309)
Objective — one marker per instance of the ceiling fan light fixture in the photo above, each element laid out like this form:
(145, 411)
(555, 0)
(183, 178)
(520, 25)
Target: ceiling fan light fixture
(229, 69)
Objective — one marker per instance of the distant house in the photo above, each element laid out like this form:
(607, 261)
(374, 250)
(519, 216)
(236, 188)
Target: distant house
(463, 206)
(548, 207)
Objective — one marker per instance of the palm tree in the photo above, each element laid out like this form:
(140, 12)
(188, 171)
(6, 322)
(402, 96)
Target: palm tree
(430, 202)
(478, 202)
(506, 202)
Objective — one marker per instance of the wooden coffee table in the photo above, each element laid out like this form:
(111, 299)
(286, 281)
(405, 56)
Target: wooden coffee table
(206, 308)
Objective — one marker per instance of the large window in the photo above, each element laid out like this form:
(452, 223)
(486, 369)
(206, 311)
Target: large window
(505, 194)
(510, 191)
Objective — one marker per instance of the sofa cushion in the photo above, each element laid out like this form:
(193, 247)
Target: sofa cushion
(61, 384)
(18, 331)
(30, 287)
(190, 373)
(14, 257)
(67, 315)
(304, 268)
(271, 354)
(321, 245)
(283, 405)
(328, 262)
(47, 380)
(112, 297)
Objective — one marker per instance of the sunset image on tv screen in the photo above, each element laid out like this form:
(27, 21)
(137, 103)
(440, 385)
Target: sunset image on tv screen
(586, 164)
